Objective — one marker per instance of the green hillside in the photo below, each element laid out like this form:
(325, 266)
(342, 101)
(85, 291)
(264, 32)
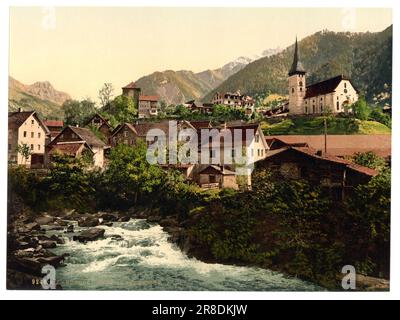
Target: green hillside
(365, 57)
(45, 108)
(312, 126)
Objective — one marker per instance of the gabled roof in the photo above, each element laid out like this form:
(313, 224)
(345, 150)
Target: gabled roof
(70, 148)
(214, 169)
(325, 87)
(98, 115)
(310, 152)
(86, 135)
(340, 145)
(16, 119)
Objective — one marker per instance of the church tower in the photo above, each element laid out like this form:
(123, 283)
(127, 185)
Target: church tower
(297, 84)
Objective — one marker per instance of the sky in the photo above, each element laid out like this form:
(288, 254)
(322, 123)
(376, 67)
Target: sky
(78, 49)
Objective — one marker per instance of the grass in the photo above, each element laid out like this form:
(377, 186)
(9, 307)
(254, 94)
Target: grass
(315, 125)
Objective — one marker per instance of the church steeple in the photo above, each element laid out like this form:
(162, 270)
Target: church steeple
(297, 67)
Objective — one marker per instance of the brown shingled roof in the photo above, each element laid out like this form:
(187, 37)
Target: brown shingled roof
(326, 157)
(66, 148)
(16, 119)
(342, 145)
(88, 136)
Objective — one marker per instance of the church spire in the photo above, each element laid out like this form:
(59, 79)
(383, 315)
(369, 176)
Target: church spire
(297, 67)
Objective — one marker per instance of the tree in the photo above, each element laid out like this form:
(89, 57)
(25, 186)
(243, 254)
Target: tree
(24, 150)
(78, 112)
(105, 94)
(129, 176)
(369, 159)
(361, 109)
(122, 108)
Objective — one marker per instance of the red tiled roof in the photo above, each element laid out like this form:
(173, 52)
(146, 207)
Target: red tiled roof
(131, 85)
(324, 87)
(54, 123)
(342, 145)
(148, 98)
(66, 148)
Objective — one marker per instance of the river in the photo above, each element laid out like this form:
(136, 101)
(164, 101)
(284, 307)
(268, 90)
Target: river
(144, 260)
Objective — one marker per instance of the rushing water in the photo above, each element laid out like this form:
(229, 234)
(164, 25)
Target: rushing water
(144, 260)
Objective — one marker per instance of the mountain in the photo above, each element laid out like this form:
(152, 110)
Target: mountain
(40, 96)
(176, 87)
(365, 57)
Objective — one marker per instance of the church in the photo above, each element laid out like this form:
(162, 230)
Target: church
(332, 95)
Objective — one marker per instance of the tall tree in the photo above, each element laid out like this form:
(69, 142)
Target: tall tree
(106, 94)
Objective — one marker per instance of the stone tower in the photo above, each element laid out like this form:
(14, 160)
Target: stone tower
(297, 84)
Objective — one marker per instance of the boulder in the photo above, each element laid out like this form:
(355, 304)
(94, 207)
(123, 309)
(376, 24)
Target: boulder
(154, 219)
(108, 216)
(57, 239)
(89, 235)
(48, 244)
(89, 222)
(70, 228)
(32, 226)
(44, 220)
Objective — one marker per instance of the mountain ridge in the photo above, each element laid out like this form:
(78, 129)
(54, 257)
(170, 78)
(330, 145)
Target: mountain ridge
(365, 57)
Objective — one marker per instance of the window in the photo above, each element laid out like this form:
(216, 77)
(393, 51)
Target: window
(292, 90)
(301, 89)
(300, 84)
(337, 105)
(24, 134)
(258, 152)
(32, 134)
(306, 102)
(212, 153)
(38, 134)
(262, 152)
(32, 122)
(257, 138)
(38, 146)
(345, 85)
(212, 178)
(306, 109)
(345, 90)
(31, 146)
(313, 108)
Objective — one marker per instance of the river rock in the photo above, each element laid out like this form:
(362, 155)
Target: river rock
(88, 222)
(154, 219)
(169, 222)
(44, 220)
(48, 244)
(89, 235)
(367, 283)
(70, 228)
(32, 226)
(108, 216)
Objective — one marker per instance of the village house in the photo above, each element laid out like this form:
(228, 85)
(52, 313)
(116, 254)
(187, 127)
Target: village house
(215, 177)
(334, 174)
(148, 106)
(334, 95)
(75, 142)
(54, 126)
(234, 99)
(25, 128)
(202, 108)
(101, 123)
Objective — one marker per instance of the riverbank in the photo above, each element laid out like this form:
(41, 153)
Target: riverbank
(34, 241)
